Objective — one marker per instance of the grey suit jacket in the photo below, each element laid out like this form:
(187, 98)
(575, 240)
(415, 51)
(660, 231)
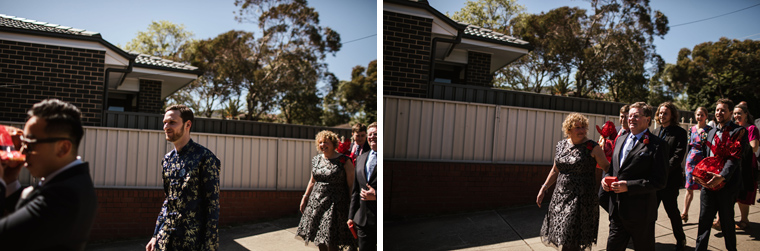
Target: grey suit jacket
(55, 216)
(363, 212)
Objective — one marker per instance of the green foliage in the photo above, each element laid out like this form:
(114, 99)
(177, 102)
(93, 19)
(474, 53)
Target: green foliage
(604, 51)
(489, 14)
(287, 58)
(496, 15)
(728, 68)
(162, 39)
(332, 112)
(359, 96)
(233, 109)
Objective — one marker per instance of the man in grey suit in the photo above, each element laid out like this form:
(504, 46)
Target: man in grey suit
(640, 164)
(57, 213)
(363, 210)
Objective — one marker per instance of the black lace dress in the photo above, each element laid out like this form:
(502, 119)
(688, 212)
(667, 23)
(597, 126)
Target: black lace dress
(326, 213)
(573, 217)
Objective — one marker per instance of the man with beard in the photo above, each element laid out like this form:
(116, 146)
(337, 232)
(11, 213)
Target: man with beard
(722, 200)
(189, 217)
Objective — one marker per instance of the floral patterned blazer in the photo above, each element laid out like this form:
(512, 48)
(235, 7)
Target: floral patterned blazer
(189, 217)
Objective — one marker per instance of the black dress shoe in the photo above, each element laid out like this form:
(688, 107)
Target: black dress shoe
(681, 245)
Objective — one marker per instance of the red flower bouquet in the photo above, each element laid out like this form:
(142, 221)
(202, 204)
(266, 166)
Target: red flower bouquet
(343, 147)
(7, 149)
(729, 148)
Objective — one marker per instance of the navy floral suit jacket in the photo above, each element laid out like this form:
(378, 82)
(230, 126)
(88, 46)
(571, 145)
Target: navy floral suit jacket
(189, 217)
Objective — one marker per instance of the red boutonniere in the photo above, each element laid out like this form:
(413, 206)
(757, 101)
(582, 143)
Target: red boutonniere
(646, 139)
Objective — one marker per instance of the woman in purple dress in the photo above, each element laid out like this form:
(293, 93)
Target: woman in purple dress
(697, 137)
(747, 196)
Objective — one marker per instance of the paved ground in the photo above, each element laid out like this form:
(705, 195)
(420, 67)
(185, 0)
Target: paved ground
(518, 229)
(507, 229)
(272, 235)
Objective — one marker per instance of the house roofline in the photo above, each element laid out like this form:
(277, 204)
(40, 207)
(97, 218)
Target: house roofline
(93, 38)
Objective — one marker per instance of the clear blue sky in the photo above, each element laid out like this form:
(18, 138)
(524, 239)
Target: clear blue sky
(740, 25)
(119, 21)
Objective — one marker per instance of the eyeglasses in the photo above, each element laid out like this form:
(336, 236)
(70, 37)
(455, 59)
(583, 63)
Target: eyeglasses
(27, 144)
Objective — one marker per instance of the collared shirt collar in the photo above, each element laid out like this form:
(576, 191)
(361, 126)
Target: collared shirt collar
(184, 148)
(52, 175)
(638, 136)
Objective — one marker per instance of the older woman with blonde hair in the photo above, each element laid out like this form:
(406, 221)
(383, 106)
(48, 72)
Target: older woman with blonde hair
(572, 221)
(326, 201)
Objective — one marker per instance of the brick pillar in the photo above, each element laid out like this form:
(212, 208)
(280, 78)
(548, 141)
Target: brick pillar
(406, 54)
(478, 69)
(149, 99)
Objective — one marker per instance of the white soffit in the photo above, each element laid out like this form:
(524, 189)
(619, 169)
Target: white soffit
(111, 58)
(486, 47)
(130, 84)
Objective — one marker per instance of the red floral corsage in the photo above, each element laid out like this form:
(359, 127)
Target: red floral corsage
(342, 159)
(646, 139)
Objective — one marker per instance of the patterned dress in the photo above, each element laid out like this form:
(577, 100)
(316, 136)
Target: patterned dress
(189, 217)
(326, 213)
(696, 141)
(573, 217)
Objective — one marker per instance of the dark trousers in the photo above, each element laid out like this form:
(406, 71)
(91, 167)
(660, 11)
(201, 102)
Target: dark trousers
(620, 232)
(669, 198)
(367, 237)
(721, 202)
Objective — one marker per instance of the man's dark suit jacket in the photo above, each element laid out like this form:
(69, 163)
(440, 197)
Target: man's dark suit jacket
(55, 216)
(732, 170)
(363, 212)
(677, 141)
(644, 169)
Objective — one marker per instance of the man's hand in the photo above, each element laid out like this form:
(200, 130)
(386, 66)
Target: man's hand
(715, 180)
(368, 194)
(605, 187)
(620, 186)
(151, 244)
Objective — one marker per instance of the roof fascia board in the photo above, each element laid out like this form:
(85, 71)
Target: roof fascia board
(492, 42)
(495, 46)
(96, 38)
(154, 70)
(112, 57)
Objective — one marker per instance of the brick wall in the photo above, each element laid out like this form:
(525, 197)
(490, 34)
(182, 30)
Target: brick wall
(478, 69)
(31, 72)
(149, 99)
(427, 188)
(128, 213)
(406, 54)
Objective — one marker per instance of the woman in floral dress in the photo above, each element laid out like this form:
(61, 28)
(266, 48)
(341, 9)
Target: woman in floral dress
(697, 137)
(326, 201)
(572, 220)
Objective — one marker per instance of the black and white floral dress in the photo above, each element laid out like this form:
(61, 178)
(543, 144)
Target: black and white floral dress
(573, 217)
(325, 216)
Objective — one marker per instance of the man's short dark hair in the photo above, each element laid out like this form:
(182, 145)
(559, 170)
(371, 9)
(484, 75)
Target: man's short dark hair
(727, 102)
(184, 112)
(358, 127)
(61, 118)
